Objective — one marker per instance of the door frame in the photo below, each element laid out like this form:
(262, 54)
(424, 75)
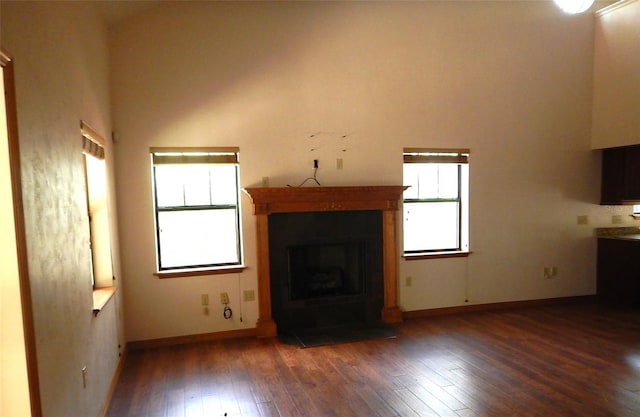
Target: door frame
(21, 242)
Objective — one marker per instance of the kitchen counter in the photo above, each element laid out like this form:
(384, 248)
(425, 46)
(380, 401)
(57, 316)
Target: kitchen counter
(635, 237)
(619, 233)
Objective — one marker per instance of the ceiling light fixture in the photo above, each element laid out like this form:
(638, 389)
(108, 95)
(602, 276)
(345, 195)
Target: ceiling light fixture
(573, 6)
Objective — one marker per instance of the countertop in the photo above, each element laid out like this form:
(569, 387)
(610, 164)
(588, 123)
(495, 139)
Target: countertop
(619, 233)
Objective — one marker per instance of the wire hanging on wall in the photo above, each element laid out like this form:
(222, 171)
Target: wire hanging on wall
(315, 146)
(227, 312)
(313, 178)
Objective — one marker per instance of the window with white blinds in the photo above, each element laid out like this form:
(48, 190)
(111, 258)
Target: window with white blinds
(197, 209)
(435, 206)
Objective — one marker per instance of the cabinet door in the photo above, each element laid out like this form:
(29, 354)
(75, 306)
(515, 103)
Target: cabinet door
(618, 279)
(632, 173)
(613, 176)
(616, 76)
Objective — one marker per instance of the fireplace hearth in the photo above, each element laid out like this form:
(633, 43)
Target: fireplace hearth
(326, 256)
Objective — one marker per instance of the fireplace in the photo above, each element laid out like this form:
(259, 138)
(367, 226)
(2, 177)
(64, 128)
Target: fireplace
(326, 255)
(326, 271)
(325, 268)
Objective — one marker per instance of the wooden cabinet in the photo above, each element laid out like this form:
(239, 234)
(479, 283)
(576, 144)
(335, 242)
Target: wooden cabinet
(619, 272)
(616, 76)
(620, 175)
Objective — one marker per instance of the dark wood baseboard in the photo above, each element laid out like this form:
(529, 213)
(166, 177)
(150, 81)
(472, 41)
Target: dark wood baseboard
(195, 338)
(406, 315)
(496, 306)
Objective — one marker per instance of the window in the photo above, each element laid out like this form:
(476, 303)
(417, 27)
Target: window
(197, 213)
(97, 208)
(436, 206)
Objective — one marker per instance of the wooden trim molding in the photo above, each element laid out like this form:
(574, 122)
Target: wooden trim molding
(190, 339)
(114, 383)
(267, 201)
(21, 240)
(390, 312)
(306, 199)
(4, 58)
(416, 314)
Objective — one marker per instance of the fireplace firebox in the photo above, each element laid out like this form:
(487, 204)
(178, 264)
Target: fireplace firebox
(326, 268)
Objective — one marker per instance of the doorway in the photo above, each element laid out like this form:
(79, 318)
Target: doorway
(18, 366)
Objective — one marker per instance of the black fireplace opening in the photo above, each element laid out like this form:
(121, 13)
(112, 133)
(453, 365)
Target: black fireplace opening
(327, 270)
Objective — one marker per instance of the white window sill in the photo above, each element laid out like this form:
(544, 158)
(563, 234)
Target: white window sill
(101, 297)
(181, 273)
(435, 255)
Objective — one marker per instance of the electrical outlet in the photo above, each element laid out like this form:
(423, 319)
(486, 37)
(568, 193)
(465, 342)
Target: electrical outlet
(224, 298)
(616, 219)
(408, 281)
(265, 181)
(204, 299)
(248, 295)
(550, 272)
(339, 163)
(315, 164)
(582, 220)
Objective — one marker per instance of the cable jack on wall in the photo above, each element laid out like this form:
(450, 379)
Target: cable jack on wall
(227, 312)
(313, 178)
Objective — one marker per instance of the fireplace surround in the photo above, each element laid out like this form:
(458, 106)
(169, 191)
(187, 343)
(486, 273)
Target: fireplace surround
(380, 202)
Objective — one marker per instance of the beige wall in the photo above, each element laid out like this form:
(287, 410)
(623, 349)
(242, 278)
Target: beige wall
(61, 67)
(510, 80)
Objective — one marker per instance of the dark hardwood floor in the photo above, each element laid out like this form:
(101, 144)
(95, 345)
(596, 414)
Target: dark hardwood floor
(571, 360)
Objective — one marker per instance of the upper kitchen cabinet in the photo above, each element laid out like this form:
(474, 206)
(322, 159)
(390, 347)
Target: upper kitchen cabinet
(616, 83)
(620, 175)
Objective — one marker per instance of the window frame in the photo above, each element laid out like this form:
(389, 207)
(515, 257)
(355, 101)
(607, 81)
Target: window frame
(93, 149)
(460, 157)
(100, 249)
(197, 155)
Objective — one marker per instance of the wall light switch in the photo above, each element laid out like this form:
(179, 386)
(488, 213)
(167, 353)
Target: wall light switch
(583, 220)
(224, 298)
(616, 219)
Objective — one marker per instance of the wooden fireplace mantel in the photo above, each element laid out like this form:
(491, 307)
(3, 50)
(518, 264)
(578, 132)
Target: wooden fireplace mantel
(305, 199)
(267, 201)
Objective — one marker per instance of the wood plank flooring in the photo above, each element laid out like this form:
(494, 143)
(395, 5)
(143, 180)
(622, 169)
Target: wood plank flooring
(571, 360)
